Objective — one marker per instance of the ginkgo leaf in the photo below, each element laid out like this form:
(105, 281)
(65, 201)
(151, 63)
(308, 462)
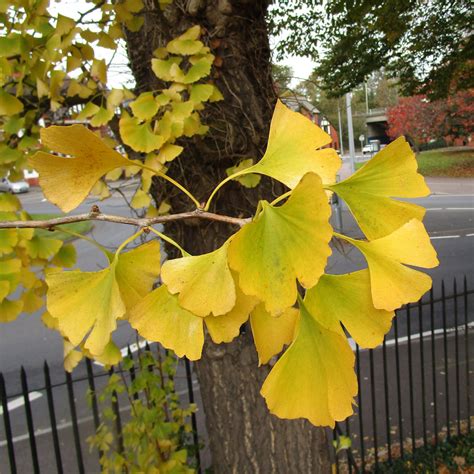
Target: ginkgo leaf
(314, 378)
(9, 310)
(347, 299)
(145, 106)
(140, 199)
(42, 247)
(204, 282)
(200, 69)
(71, 356)
(270, 333)
(85, 303)
(9, 104)
(139, 136)
(248, 180)
(394, 284)
(4, 289)
(136, 272)
(49, 321)
(159, 317)
(227, 327)
(102, 117)
(284, 244)
(10, 271)
(110, 356)
(390, 173)
(66, 256)
(291, 150)
(8, 240)
(201, 92)
(33, 299)
(9, 203)
(92, 159)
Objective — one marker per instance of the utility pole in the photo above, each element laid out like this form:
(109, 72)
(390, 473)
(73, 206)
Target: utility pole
(350, 131)
(339, 121)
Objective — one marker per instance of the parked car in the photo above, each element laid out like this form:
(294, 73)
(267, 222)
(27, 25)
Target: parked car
(14, 187)
(367, 149)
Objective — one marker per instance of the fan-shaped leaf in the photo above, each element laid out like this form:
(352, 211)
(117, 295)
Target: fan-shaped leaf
(393, 284)
(160, 318)
(314, 378)
(284, 244)
(390, 173)
(92, 159)
(347, 299)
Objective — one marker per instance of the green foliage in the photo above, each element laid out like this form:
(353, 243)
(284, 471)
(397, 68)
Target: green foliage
(156, 436)
(447, 162)
(428, 46)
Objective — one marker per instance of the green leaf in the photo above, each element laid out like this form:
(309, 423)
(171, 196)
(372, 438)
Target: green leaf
(201, 92)
(9, 104)
(145, 106)
(249, 180)
(200, 69)
(282, 245)
(138, 136)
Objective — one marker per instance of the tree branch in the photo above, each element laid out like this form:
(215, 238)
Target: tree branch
(136, 221)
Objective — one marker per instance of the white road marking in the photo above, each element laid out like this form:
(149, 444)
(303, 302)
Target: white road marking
(124, 351)
(445, 237)
(20, 401)
(460, 208)
(68, 424)
(414, 337)
(450, 195)
(435, 208)
(469, 235)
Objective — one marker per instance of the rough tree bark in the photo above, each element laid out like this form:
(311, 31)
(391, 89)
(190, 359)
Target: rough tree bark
(244, 437)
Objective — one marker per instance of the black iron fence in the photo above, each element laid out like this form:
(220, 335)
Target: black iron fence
(414, 390)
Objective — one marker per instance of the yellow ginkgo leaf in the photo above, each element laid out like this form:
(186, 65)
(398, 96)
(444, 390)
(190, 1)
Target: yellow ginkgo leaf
(111, 355)
(71, 356)
(9, 203)
(85, 303)
(390, 173)
(9, 310)
(136, 272)
(33, 299)
(9, 104)
(8, 240)
(92, 159)
(10, 271)
(4, 289)
(140, 199)
(284, 244)
(227, 327)
(49, 321)
(291, 150)
(102, 117)
(145, 106)
(347, 299)
(159, 317)
(270, 333)
(314, 378)
(204, 282)
(393, 284)
(139, 136)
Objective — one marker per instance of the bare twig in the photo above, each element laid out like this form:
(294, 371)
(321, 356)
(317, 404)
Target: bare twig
(136, 221)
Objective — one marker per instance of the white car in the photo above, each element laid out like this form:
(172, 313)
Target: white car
(14, 187)
(367, 149)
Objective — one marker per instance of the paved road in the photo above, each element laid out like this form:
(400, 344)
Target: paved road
(449, 220)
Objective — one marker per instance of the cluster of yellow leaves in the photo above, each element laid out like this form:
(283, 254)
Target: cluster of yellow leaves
(25, 254)
(255, 274)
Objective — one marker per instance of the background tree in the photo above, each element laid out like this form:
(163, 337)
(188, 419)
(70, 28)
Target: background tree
(282, 76)
(350, 40)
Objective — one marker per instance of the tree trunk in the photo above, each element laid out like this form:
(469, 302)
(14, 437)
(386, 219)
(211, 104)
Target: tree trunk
(244, 437)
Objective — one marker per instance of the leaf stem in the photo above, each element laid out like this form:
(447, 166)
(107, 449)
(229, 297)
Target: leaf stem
(172, 181)
(87, 239)
(280, 198)
(219, 186)
(170, 241)
(127, 241)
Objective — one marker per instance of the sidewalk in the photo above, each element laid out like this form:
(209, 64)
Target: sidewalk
(438, 185)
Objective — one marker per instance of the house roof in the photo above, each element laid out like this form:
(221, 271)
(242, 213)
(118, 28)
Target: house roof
(296, 102)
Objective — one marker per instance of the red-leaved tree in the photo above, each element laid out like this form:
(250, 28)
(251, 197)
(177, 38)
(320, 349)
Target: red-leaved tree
(421, 121)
